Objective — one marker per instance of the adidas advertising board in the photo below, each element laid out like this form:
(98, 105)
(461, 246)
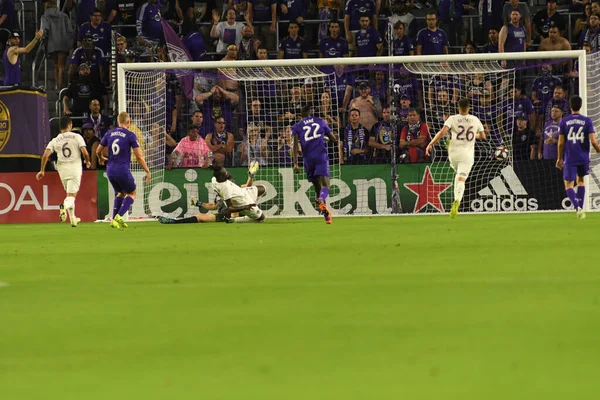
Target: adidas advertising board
(505, 192)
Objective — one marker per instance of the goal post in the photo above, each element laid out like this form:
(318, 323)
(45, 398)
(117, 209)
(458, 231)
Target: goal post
(504, 179)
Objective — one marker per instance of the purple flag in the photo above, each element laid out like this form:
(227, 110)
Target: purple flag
(177, 52)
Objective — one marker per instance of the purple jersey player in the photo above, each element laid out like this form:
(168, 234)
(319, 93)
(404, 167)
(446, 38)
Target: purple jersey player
(575, 135)
(311, 132)
(120, 142)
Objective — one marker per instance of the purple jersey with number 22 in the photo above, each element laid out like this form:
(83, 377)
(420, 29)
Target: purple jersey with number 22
(311, 132)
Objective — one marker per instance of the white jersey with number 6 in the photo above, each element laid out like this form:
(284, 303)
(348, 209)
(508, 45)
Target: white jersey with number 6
(463, 129)
(67, 146)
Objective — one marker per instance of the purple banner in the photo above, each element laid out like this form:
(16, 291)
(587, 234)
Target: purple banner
(24, 126)
(177, 52)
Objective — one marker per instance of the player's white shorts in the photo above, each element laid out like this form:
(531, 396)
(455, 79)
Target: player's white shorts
(461, 161)
(253, 213)
(70, 178)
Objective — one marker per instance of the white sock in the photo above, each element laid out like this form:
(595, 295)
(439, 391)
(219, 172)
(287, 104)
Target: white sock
(459, 189)
(69, 204)
(242, 220)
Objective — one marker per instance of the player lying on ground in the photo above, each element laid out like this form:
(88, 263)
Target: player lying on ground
(464, 128)
(231, 199)
(69, 147)
(576, 131)
(311, 133)
(120, 142)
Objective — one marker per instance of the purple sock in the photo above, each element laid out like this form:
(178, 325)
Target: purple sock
(127, 202)
(324, 193)
(573, 198)
(580, 195)
(117, 205)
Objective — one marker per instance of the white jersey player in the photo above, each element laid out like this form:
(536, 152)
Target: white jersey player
(464, 128)
(69, 148)
(238, 199)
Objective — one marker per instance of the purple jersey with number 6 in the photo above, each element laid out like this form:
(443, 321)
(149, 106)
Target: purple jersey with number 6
(119, 142)
(576, 130)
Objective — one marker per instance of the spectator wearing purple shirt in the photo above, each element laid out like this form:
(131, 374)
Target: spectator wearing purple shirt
(90, 55)
(295, 10)
(353, 10)
(367, 40)
(512, 37)
(403, 45)
(548, 145)
(99, 30)
(431, 40)
(215, 102)
(345, 86)
(333, 46)
(521, 105)
(542, 89)
(408, 86)
(523, 9)
(264, 11)
(492, 45)
(193, 42)
(148, 22)
(591, 36)
(380, 88)
(450, 15)
(293, 46)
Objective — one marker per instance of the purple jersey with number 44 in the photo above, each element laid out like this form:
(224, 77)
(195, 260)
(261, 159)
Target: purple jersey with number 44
(119, 142)
(576, 129)
(311, 132)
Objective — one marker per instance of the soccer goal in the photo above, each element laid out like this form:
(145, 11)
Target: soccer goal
(507, 175)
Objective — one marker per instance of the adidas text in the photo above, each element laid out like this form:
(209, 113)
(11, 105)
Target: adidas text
(510, 203)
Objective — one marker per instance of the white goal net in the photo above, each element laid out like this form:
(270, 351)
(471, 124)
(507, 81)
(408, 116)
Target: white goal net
(400, 99)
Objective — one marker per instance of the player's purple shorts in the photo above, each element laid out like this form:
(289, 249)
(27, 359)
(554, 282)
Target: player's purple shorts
(316, 167)
(121, 181)
(571, 172)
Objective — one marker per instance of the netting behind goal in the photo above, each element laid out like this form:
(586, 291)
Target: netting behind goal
(146, 105)
(593, 111)
(274, 98)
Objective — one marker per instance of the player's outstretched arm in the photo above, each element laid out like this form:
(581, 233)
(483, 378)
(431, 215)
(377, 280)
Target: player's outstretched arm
(332, 137)
(140, 159)
(45, 158)
(101, 158)
(295, 155)
(594, 142)
(86, 157)
(436, 139)
(252, 168)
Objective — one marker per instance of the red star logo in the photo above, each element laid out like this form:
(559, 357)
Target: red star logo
(428, 192)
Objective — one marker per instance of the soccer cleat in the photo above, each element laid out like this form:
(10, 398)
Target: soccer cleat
(580, 213)
(118, 222)
(454, 210)
(77, 221)
(62, 213)
(165, 220)
(324, 210)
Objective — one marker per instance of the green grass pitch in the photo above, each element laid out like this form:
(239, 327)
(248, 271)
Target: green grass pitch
(482, 307)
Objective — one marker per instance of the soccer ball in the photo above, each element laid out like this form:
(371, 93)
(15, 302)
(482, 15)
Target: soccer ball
(500, 154)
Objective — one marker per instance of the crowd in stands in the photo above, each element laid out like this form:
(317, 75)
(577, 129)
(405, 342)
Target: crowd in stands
(224, 121)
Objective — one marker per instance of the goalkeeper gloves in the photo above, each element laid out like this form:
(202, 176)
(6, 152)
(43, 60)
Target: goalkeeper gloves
(252, 168)
(195, 202)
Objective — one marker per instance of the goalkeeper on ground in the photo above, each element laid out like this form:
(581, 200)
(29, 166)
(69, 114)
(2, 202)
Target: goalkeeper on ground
(233, 204)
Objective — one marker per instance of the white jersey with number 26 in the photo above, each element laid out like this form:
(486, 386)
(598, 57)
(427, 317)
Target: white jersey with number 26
(67, 147)
(462, 130)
